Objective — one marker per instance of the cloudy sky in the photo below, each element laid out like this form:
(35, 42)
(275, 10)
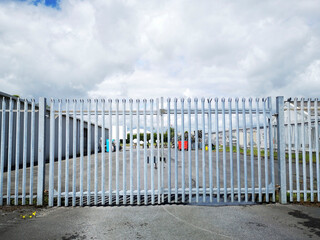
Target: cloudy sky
(111, 49)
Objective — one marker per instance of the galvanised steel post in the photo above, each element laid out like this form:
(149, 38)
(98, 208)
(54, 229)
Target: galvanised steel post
(24, 154)
(17, 157)
(32, 150)
(10, 133)
(281, 149)
(41, 150)
(162, 147)
(3, 124)
(182, 151)
(51, 157)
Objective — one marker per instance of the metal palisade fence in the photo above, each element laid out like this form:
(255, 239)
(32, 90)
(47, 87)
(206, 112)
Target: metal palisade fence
(302, 149)
(133, 152)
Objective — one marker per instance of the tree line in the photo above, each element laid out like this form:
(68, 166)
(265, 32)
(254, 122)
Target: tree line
(165, 136)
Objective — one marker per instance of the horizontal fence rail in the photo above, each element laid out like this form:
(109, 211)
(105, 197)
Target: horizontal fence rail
(164, 111)
(134, 152)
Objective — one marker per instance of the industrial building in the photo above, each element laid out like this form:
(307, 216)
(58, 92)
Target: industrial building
(19, 137)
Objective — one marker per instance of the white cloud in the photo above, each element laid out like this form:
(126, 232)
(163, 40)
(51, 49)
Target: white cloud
(169, 48)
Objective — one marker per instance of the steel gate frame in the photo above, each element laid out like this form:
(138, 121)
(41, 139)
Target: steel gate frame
(175, 190)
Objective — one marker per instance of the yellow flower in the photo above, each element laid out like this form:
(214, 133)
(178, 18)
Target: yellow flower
(30, 216)
(34, 213)
(23, 217)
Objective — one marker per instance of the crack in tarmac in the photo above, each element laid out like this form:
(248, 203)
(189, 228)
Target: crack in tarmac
(194, 226)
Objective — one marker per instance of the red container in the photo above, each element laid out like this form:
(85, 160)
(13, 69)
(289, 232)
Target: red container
(180, 145)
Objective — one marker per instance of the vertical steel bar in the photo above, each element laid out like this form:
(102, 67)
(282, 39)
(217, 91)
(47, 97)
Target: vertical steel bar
(96, 163)
(3, 130)
(189, 150)
(89, 140)
(41, 150)
(266, 166)
(304, 164)
(131, 151)
(32, 145)
(162, 147)
(66, 199)
(245, 149)
(145, 142)
(10, 133)
(74, 155)
(258, 147)
(109, 147)
(182, 152)
(203, 151)
(310, 151)
(251, 152)
(103, 150)
(152, 153)
(271, 159)
(196, 147)
(175, 151)
(81, 150)
(296, 143)
(124, 147)
(59, 151)
(138, 152)
(217, 148)
(224, 153)
(17, 154)
(117, 151)
(169, 151)
(231, 149)
(289, 149)
(317, 146)
(158, 153)
(238, 151)
(24, 154)
(51, 166)
(210, 150)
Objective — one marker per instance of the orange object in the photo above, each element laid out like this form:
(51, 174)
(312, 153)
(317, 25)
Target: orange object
(180, 145)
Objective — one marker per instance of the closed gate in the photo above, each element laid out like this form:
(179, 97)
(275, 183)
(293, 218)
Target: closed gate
(138, 152)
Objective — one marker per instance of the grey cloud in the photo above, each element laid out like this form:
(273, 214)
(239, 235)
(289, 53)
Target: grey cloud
(168, 48)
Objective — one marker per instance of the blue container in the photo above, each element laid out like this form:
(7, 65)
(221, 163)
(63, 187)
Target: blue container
(108, 146)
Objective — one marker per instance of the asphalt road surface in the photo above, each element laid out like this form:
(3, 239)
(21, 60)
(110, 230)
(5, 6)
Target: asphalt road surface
(273, 221)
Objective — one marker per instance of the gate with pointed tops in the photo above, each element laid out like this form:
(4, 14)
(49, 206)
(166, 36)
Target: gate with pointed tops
(132, 152)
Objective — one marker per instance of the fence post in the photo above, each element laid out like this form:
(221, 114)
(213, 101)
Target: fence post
(41, 150)
(271, 147)
(281, 150)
